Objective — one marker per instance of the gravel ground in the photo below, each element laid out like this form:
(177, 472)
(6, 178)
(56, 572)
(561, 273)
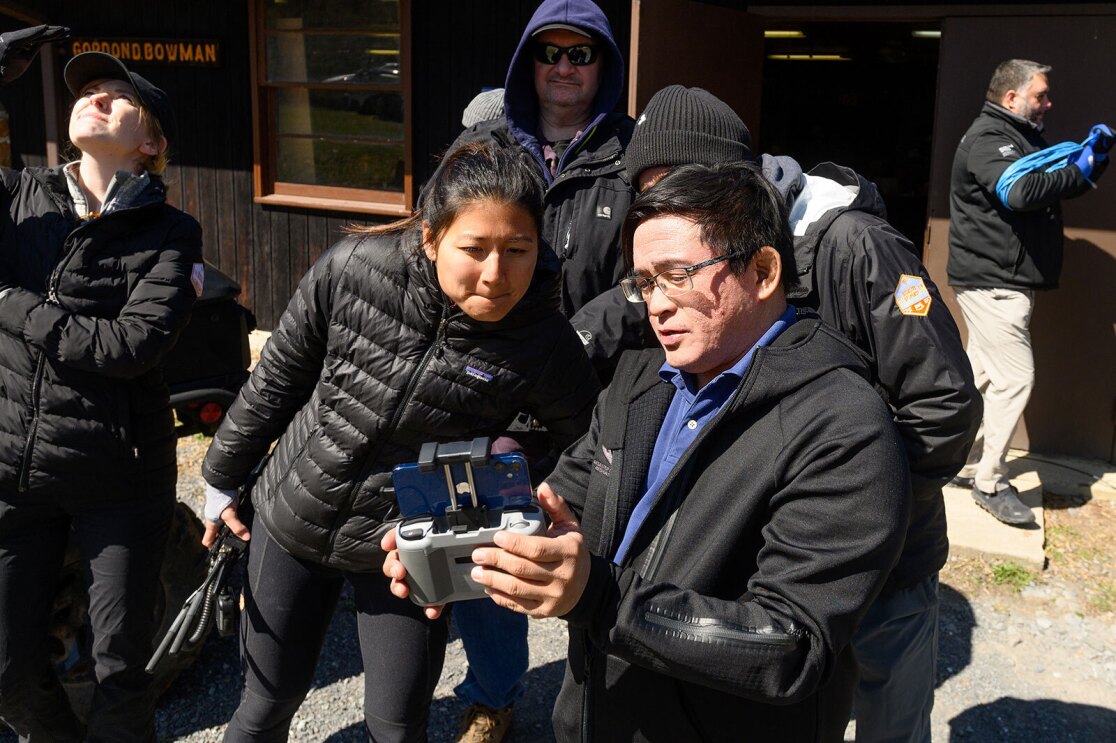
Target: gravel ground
(1022, 663)
(1035, 670)
(1006, 674)
(1014, 665)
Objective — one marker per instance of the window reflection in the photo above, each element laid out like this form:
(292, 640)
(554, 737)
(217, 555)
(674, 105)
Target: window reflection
(333, 75)
(356, 15)
(357, 113)
(348, 59)
(328, 162)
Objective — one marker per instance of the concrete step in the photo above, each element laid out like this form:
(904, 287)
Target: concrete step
(975, 531)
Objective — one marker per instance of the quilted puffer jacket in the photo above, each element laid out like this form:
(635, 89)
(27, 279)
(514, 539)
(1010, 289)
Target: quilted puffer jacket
(369, 361)
(88, 309)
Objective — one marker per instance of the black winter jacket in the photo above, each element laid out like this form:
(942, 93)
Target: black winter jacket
(368, 362)
(855, 267)
(732, 612)
(991, 246)
(87, 311)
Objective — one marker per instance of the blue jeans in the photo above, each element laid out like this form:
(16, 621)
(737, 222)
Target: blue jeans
(896, 648)
(495, 641)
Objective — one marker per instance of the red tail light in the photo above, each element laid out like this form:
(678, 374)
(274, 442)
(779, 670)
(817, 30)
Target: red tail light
(210, 413)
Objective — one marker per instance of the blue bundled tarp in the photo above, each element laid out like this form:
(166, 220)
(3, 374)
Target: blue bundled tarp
(1052, 158)
(1048, 160)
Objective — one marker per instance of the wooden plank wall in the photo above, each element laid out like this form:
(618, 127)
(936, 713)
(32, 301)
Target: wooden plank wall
(23, 100)
(458, 48)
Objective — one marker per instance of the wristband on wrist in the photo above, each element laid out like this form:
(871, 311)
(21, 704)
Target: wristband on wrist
(216, 501)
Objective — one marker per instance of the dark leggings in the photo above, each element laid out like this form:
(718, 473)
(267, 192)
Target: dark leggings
(288, 606)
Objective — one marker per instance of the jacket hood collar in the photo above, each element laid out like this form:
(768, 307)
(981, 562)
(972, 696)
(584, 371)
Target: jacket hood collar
(784, 173)
(865, 197)
(829, 190)
(125, 191)
(151, 189)
(53, 181)
(520, 99)
(805, 351)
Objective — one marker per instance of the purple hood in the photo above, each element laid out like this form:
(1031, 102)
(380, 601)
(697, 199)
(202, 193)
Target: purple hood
(520, 102)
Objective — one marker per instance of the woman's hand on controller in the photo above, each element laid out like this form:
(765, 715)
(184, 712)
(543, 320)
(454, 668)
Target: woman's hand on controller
(394, 569)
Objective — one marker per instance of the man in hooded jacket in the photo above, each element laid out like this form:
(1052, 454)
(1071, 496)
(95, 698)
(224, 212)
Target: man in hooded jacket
(559, 106)
(865, 279)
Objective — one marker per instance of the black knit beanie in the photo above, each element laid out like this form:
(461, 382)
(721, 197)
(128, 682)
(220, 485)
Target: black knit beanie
(682, 126)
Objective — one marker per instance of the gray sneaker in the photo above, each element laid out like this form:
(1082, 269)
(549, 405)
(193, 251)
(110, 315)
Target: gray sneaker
(1005, 505)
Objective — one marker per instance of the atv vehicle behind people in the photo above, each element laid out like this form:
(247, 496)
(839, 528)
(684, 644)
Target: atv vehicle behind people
(206, 367)
(204, 372)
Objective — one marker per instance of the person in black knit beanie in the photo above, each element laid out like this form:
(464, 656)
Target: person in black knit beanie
(683, 125)
(865, 279)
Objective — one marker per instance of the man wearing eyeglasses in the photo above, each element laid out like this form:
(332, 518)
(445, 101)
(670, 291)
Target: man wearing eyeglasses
(866, 281)
(709, 546)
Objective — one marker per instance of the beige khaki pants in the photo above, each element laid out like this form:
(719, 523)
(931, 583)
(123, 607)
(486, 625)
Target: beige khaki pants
(999, 349)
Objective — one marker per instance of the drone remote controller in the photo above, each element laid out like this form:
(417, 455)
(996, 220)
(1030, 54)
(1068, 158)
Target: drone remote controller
(436, 546)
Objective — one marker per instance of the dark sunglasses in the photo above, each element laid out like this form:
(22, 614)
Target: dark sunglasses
(579, 55)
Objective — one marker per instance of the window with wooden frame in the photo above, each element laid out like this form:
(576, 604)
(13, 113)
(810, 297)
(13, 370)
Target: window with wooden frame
(331, 104)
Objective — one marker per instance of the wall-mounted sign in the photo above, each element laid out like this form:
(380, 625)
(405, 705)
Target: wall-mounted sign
(152, 51)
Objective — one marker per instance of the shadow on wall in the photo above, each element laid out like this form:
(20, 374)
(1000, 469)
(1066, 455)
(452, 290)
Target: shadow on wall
(1075, 357)
(1048, 720)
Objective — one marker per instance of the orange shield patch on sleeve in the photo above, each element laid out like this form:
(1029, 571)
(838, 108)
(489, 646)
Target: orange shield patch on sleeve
(912, 297)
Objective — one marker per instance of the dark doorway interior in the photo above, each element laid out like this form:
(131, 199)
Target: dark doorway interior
(872, 109)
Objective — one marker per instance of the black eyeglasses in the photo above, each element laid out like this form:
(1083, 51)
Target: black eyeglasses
(671, 282)
(579, 55)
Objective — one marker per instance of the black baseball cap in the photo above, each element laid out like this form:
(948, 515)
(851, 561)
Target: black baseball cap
(89, 66)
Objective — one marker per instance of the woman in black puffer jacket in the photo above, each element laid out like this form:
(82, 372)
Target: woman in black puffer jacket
(95, 284)
(438, 328)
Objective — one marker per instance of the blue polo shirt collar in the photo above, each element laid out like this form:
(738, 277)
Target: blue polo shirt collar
(690, 410)
(686, 383)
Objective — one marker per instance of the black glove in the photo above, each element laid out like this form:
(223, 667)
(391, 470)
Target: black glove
(18, 48)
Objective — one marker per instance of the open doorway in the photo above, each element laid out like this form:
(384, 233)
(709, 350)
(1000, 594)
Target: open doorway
(858, 94)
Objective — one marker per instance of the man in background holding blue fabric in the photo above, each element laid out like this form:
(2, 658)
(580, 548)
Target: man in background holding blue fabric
(1001, 252)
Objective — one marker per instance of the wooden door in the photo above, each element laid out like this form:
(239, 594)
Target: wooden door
(696, 44)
